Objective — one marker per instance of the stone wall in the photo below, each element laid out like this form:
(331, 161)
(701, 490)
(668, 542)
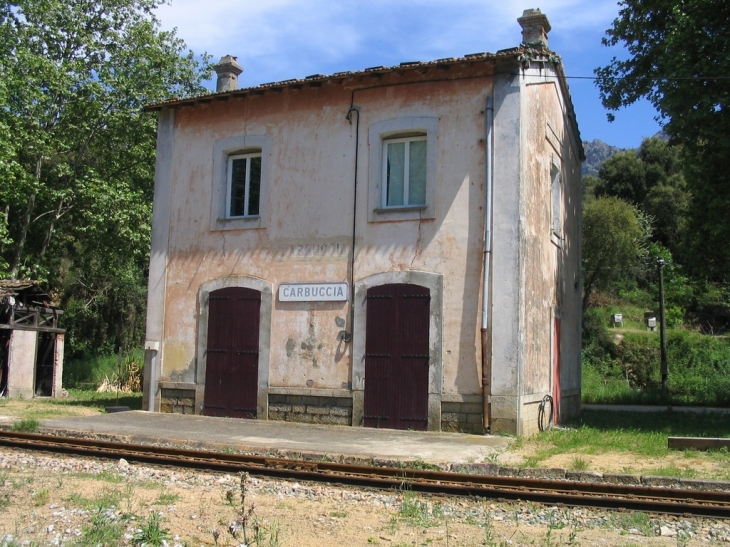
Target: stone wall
(310, 409)
(177, 401)
(465, 415)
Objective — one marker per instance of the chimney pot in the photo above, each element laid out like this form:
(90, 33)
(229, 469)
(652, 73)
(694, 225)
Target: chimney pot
(228, 70)
(535, 27)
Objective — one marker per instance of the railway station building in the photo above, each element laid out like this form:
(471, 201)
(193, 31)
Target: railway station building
(394, 247)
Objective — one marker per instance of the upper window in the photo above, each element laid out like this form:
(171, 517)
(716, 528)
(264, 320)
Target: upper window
(244, 185)
(402, 169)
(404, 172)
(240, 180)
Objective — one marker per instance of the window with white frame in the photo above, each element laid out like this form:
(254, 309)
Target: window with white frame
(243, 185)
(404, 172)
(240, 182)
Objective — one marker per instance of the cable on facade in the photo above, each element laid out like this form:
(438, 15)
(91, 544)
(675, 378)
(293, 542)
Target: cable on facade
(541, 423)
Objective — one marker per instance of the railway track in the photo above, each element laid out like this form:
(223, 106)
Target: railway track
(551, 492)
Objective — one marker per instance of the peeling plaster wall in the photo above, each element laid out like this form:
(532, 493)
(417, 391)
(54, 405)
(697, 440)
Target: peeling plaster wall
(306, 228)
(505, 320)
(570, 286)
(540, 252)
(552, 287)
(310, 197)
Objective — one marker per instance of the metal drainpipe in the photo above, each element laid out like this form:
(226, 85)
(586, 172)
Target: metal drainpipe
(350, 336)
(486, 350)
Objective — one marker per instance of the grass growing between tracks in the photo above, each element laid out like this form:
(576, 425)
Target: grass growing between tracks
(639, 437)
(78, 403)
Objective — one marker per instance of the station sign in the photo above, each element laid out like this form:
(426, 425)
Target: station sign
(313, 292)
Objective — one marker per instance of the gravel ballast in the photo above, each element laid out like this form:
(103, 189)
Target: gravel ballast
(54, 500)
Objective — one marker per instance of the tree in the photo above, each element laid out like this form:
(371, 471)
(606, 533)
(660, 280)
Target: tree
(680, 60)
(651, 178)
(622, 176)
(614, 243)
(77, 194)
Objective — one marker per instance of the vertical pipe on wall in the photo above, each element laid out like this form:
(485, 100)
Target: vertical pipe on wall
(354, 109)
(486, 353)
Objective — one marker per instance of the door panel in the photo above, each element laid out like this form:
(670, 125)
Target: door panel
(379, 351)
(396, 357)
(231, 377)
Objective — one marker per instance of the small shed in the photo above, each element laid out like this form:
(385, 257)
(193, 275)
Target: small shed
(31, 344)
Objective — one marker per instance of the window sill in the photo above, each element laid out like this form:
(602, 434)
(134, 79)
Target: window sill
(387, 210)
(237, 223)
(394, 214)
(249, 217)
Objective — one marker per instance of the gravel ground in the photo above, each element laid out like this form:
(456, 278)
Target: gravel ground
(56, 500)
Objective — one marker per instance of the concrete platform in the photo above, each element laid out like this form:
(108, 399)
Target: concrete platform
(283, 438)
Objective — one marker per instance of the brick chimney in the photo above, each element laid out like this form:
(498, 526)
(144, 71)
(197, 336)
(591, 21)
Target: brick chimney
(535, 27)
(228, 70)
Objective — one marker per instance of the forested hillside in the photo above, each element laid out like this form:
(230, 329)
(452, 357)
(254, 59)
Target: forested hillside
(662, 208)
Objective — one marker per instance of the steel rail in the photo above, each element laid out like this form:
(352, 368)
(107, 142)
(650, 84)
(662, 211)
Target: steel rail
(713, 504)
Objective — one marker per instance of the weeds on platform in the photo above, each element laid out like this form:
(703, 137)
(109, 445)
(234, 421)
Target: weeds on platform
(166, 498)
(104, 530)
(151, 533)
(27, 425)
(247, 529)
(419, 465)
(579, 464)
(41, 497)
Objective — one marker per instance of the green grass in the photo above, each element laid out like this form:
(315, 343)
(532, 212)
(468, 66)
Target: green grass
(26, 425)
(415, 511)
(627, 370)
(151, 533)
(631, 520)
(78, 402)
(166, 498)
(579, 464)
(106, 498)
(420, 465)
(41, 497)
(102, 531)
(643, 434)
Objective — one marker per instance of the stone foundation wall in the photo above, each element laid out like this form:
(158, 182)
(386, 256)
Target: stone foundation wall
(310, 409)
(465, 415)
(530, 418)
(177, 401)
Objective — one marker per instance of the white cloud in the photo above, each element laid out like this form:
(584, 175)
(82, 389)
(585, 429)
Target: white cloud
(285, 34)
(280, 39)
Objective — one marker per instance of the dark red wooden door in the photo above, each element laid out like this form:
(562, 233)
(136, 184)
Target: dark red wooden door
(396, 357)
(232, 355)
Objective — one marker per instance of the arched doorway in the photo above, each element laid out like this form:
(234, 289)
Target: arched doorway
(397, 357)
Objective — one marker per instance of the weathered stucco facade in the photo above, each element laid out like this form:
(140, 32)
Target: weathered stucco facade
(321, 219)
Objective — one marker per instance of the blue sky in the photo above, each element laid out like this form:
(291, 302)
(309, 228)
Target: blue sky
(281, 39)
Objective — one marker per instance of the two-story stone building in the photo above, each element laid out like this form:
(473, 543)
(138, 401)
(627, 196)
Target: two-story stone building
(319, 251)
